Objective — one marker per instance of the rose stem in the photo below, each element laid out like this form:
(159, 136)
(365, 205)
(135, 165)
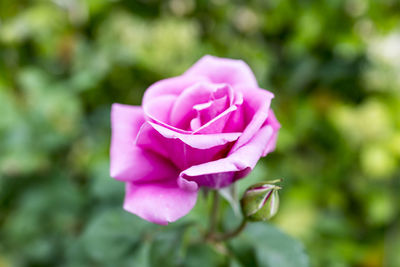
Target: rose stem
(213, 213)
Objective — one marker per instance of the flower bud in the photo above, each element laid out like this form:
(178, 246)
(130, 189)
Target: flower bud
(260, 201)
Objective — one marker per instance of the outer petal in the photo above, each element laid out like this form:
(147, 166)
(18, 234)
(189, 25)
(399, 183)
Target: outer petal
(275, 126)
(223, 70)
(171, 86)
(127, 161)
(159, 110)
(184, 150)
(222, 172)
(200, 141)
(256, 107)
(160, 202)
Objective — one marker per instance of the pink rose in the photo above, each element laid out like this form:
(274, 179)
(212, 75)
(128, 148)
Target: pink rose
(207, 127)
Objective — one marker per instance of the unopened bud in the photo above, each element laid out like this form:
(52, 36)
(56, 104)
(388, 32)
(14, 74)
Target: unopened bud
(260, 202)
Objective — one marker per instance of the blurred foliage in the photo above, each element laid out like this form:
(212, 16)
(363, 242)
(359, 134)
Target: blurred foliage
(334, 67)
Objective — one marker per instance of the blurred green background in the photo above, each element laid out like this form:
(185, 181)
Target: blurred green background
(334, 66)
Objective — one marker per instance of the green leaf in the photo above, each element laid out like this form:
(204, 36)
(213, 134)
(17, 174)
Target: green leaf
(199, 255)
(114, 236)
(269, 247)
(166, 248)
(142, 255)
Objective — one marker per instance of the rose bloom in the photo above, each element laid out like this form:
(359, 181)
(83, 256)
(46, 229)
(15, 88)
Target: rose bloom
(205, 128)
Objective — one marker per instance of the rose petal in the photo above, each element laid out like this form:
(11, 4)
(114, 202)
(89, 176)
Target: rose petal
(159, 110)
(223, 70)
(171, 86)
(127, 161)
(236, 121)
(218, 124)
(200, 141)
(271, 120)
(222, 172)
(159, 202)
(184, 150)
(125, 124)
(144, 166)
(215, 106)
(255, 106)
(220, 100)
(182, 110)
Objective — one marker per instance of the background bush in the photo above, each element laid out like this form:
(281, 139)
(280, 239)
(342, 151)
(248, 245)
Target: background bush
(334, 67)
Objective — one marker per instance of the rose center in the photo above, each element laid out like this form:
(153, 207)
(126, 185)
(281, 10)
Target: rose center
(218, 102)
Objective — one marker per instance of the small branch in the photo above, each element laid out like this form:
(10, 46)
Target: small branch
(212, 234)
(229, 235)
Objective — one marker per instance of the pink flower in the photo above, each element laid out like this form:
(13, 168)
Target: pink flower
(205, 128)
